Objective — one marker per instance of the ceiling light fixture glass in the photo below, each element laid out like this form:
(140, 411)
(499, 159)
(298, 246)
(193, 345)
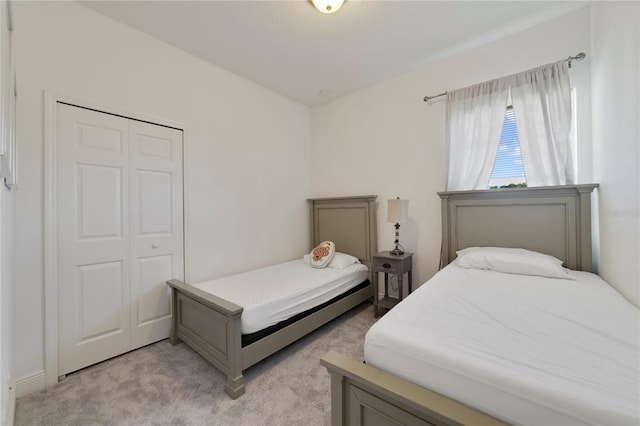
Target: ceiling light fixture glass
(327, 6)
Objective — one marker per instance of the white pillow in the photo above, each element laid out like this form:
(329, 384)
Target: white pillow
(342, 260)
(339, 261)
(322, 254)
(512, 261)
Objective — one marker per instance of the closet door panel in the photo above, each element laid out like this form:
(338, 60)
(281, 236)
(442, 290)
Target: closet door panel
(156, 227)
(99, 202)
(153, 305)
(100, 288)
(93, 237)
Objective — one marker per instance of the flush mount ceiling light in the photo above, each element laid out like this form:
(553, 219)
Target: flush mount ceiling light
(327, 6)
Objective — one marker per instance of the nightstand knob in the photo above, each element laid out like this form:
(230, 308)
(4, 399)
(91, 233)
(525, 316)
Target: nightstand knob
(386, 265)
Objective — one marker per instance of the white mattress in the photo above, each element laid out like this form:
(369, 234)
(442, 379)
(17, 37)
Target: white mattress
(276, 293)
(528, 350)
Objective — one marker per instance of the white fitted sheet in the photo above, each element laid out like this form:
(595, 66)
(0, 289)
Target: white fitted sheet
(528, 350)
(276, 293)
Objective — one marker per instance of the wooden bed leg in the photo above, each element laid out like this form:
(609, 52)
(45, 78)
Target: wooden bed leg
(173, 334)
(337, 399)
(235, 386)
(173, 339)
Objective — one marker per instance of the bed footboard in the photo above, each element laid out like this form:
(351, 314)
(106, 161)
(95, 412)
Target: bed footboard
(211, 326)
(365, 395)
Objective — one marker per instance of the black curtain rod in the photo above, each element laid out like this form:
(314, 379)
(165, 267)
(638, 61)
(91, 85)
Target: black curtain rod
(580, 56)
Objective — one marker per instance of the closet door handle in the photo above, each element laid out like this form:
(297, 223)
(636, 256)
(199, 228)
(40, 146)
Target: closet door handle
(155, 245)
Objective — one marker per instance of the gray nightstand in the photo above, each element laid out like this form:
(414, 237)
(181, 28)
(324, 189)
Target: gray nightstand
(389, 264)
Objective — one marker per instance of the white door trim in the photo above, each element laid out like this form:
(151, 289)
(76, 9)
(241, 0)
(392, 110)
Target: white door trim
(50, 219)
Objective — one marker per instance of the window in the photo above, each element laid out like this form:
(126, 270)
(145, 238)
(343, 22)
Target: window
(508, 170)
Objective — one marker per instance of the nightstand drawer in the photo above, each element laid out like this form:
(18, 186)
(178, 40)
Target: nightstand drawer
(382, 265)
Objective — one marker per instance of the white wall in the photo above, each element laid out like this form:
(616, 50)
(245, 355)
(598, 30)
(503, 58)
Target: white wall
(616, 141)
(6, 312)
(247, 159)
(385, 140)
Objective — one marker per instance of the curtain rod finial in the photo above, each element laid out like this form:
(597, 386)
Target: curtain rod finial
(580, 56)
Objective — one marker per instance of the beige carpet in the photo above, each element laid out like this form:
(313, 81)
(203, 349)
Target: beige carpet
(163, 384)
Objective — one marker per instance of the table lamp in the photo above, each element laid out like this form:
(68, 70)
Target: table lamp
(397, 212)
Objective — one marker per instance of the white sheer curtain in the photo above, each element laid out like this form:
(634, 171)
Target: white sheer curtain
(542, 106)
(475, 115)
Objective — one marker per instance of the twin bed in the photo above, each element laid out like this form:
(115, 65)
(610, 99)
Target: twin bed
(501, 336)
(237, 321)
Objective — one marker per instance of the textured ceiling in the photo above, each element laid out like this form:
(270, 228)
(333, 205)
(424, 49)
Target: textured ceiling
(311, 57)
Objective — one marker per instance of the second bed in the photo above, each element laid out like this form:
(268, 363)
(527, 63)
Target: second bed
(237, 321)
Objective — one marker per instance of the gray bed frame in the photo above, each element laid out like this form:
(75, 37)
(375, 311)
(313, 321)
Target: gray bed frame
(211, 325)
(552, 220)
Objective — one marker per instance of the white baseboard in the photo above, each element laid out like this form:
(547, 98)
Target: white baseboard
(9, 414)
(30, 383)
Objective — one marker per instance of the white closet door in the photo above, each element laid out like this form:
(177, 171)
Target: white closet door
(93, 237)
(156, 227)
(119, 231)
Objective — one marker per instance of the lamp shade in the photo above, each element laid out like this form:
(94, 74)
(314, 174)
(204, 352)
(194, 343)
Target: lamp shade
(398, 211)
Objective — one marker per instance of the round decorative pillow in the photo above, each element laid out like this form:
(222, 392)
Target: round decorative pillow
(322, 254)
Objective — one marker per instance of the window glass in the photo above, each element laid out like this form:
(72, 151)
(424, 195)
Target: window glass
(508, 170)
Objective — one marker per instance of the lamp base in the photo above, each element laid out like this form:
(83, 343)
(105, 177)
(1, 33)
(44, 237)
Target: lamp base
(397, 251)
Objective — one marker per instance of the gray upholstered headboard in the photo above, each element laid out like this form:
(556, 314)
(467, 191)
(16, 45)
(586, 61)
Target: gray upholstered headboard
(350, 222)
(553, 220)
